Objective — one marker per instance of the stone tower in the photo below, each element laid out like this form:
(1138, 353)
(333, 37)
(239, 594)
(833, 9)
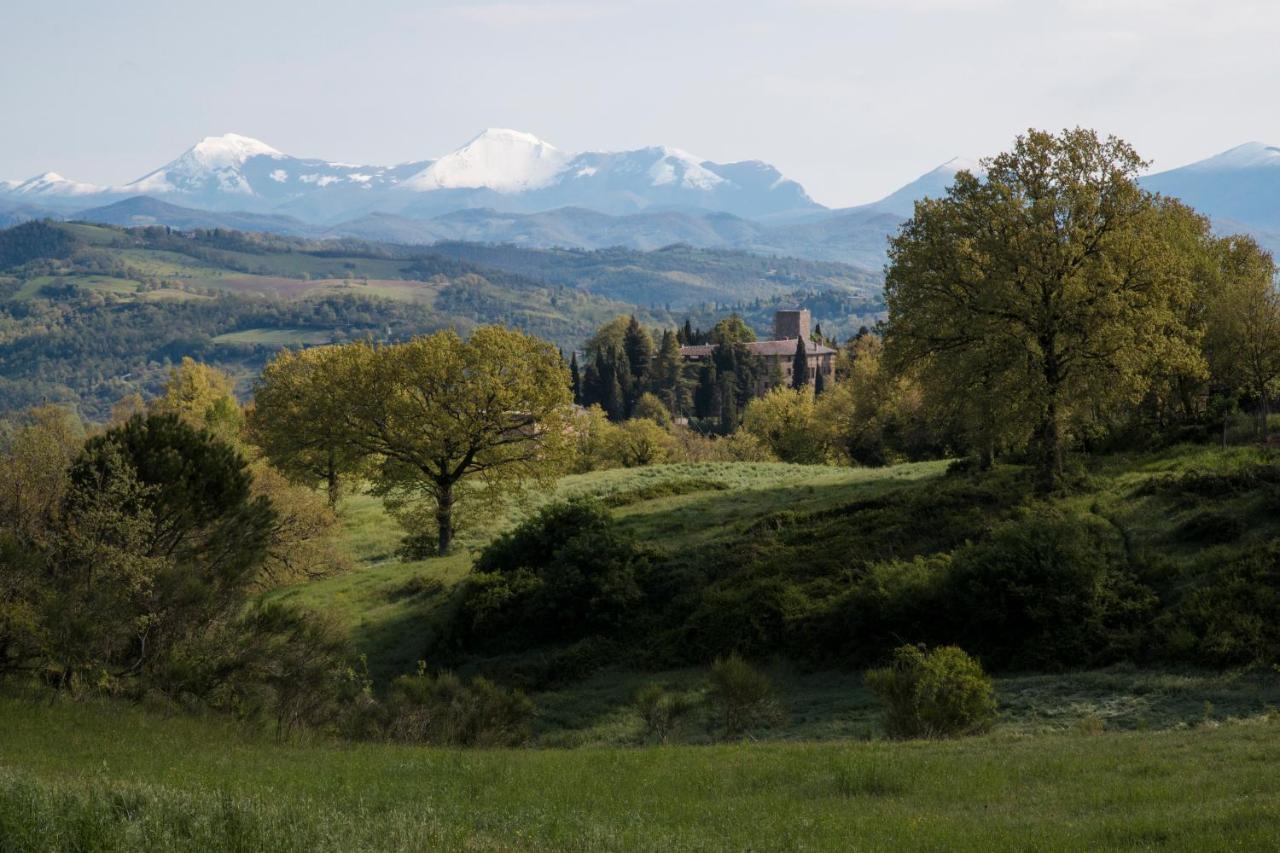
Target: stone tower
(791, 324)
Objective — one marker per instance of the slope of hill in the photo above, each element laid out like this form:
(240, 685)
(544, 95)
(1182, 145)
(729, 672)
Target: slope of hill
(141, 211)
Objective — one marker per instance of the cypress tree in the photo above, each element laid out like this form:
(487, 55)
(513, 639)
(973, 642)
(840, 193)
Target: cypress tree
(728, 404)
(800, 366)
(613, 403)
(639, 350)
(819, 382)
(575, 378)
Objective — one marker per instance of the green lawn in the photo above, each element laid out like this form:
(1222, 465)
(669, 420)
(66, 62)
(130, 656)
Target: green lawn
(90, 776)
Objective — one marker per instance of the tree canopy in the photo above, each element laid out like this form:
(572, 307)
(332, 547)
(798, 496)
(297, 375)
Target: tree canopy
(439, 413)
(1049, 289)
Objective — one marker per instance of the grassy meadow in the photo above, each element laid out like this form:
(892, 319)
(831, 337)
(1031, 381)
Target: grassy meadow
(87, 776)
(1118, 758)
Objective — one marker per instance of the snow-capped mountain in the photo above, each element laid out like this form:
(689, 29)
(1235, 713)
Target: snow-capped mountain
(500, 169)
(501, 160)
(1239, 187)
(932, 184)
(49, 186)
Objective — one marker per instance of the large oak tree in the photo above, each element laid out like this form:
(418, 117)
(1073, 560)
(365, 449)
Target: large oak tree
(1046, 291)
(448, 419)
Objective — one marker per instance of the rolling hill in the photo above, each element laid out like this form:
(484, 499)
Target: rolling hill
(89, 313)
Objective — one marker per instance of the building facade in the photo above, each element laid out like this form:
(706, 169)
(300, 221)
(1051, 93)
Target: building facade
(779, 354)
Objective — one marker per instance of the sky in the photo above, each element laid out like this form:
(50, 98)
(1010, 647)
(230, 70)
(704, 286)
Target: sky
(852, 98)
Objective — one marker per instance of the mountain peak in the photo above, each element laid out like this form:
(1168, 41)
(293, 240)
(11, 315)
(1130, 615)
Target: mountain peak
(498, 159)
(508, 136)
(230, 149)
(1245, 156)
(51, 183)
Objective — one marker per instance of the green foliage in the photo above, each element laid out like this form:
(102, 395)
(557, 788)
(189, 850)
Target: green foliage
(566, 573)
(1047, 591)
(1231, 616)
(786, 421)
(451, 423)
(1211, 527)
(743, 697)
(1027, 352)
(443, 710)
(934, 693)
(32, 241)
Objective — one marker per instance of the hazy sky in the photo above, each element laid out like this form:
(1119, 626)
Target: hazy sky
(850, 97)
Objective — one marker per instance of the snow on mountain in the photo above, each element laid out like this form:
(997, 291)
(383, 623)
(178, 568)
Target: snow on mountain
(676, 166)
(215, 162)
(1239, 188)
(499, 159)
(51, 184)
(1248, 156)
(502, 170)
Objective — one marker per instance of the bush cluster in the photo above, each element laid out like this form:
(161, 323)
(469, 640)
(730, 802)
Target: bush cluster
(934, 693)
(567, 573)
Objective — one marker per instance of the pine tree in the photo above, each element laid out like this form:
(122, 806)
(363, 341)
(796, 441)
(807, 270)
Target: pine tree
(575, 378)
(800, 366)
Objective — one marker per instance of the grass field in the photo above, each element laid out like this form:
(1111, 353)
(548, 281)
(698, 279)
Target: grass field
(277, 337)
(1120, 758)
(90, 776)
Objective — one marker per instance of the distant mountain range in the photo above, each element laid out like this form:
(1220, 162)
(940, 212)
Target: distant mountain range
(505, 186)
(502, 170)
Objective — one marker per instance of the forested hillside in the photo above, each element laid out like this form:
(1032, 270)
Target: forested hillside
(90, 313)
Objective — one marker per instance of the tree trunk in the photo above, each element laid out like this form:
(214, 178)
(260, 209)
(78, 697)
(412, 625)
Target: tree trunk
(1048, 451)
(331, 480)
(444, 517)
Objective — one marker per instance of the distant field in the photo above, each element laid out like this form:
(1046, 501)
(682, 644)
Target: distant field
(94, 777)
(277, 337)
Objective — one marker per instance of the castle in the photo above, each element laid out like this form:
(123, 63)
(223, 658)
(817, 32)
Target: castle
(789, 326)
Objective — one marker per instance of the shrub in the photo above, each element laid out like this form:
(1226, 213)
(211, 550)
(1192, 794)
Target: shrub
(1231, 615)
(663, 711)
(742, 695)
(444, 710)
(640, 441)
(1047, 591)
(934, 694)
(567, 573)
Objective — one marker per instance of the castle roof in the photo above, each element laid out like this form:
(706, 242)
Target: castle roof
(772, 348)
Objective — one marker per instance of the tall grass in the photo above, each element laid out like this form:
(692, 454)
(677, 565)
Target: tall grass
(94, 777)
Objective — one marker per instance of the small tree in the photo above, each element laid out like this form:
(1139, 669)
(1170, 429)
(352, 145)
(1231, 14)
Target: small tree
(297, 419)
(742, 695)
(663, 711)
(934, 694)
